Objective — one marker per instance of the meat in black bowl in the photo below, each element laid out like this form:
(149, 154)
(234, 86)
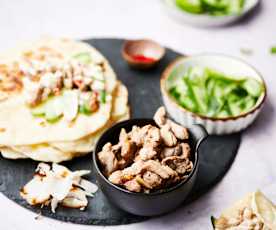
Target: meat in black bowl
(147, 183)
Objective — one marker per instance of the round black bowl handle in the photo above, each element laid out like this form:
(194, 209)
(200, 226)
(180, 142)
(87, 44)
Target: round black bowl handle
(200, 134)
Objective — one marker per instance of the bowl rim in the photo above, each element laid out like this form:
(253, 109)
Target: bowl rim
(208, 16)
(130, 58)
(156, 193)
(165, 74)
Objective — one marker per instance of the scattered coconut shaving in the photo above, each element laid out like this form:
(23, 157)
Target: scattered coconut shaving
(58, 185)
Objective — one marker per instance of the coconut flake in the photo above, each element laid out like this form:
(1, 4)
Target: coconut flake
(58, 185)
(54, 204)
(76, 198)
(88, 187)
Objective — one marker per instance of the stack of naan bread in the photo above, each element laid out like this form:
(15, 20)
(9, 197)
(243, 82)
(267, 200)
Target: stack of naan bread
(24, 135)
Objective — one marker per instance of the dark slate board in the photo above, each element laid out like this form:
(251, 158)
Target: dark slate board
(216, 154)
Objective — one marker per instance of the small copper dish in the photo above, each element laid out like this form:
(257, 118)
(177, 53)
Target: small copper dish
(142, 54)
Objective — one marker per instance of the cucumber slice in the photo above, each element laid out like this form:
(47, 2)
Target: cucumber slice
(240, 92)
(223, 78)
(85, 109)
(70, 104)
(181, 87)
(199, 95)
(103, 96)
(83, 57)
(248, 103)
(214, 106)
(191, 95)
(235, 6)
(216, 4)
(225, 111)
(235, 108)
(223, 114)
(177, 73)
(218, 92)
(215, 7)
(253, 87)
(210, 85)
(197, 75)
(208, 92)
(174, 93)
(192, 6)
(54, 109)
(39, 110)
(188, 103)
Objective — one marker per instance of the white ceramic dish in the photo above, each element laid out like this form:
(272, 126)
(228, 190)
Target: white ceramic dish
(203, 20)
(226, 64)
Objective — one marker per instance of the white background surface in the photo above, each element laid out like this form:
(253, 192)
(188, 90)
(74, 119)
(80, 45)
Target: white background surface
(254, 166)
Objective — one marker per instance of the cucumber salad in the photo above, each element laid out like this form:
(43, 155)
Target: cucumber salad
(213, 94)
(212, 7)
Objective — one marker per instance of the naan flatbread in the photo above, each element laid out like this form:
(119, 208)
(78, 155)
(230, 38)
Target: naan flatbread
(15, 116)
(64, 151)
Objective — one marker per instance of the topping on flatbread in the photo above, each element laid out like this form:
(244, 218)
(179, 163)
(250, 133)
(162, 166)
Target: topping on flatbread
(65, 95)
(254, 212)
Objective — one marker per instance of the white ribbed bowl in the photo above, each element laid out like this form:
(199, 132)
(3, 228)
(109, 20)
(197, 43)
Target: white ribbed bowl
(203, 20)
(229, 65)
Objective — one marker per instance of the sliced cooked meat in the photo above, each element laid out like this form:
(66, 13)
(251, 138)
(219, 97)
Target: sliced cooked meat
(122, 163)
(161, 170)
(186, 150)
(142, 182)
(160, 119)
(179, 131)
(108, 159)
(135, 169)
(167, 136)
(133, 185)
(146, 134)
(171, 151)
(128, 150)
(107, 147)
(152, 179)
(149, 157)
(137, 135)
(36, 97)
(94, 103)
(152, 135)
(160, 116)
(147, 152)
(123, 136)
(179, 164)
(116, 177)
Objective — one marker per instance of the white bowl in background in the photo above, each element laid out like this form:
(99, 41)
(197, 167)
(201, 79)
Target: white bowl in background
(205, 20)
(225, 64)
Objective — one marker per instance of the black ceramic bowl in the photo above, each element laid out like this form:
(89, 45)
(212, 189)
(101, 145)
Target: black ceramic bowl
(155, 203)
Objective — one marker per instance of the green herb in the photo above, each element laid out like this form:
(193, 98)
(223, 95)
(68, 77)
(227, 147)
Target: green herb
(85, 108)
(273, 50)
(103, 96)
(213, 94)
